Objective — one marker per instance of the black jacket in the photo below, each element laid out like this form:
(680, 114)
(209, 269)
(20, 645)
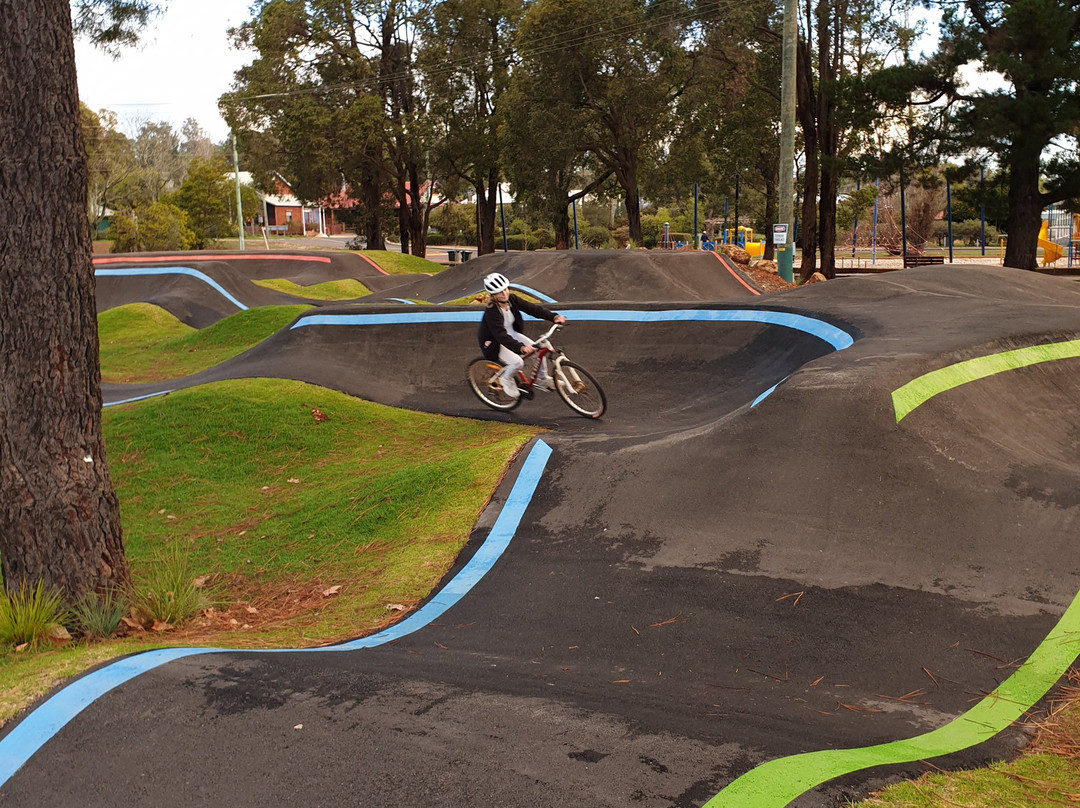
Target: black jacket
(492, 332)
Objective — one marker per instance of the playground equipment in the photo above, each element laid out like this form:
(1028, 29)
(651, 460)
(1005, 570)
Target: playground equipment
(1051, 251)
(744, 237)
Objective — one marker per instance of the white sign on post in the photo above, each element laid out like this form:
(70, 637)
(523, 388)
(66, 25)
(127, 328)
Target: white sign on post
(779, 234)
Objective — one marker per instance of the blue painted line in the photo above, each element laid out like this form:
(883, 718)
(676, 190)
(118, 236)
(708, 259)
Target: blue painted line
(402, 300)
(137, 398)
(190, 271)
(530, 291)
(834, 336)
(19, 745)
(764, 395)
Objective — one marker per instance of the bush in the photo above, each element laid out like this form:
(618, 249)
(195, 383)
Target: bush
(596, 236)
(29, 614)
(169, 594)
(545, 238)
(156, 227)
(99, 615)
(519, 241)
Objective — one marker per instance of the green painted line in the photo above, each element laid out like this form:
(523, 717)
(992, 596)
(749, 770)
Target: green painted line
(917, 391)
(776, 783)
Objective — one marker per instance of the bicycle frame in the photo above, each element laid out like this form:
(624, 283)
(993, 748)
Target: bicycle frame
(543, 348)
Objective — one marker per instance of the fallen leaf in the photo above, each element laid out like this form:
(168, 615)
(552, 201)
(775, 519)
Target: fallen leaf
(440, 645)
(817, 681)
(292, 480)
(394, 607)
(127, 621)
(299, 726)
(318, 415)
(251, 610)
(200, 582)
(160, 625)
(21, 647)
(331, 591)
(621, 682)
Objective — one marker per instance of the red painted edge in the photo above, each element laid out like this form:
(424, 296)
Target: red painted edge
(158, 259)
(734, 274)
(361, 255)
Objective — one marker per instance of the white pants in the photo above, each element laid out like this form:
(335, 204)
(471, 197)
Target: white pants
(514, 362)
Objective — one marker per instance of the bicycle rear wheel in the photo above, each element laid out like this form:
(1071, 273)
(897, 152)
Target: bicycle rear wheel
(483, 377)
(579, 390)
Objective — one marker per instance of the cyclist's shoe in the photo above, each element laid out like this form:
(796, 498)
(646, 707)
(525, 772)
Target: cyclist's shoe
(547, 384)
(509, 386)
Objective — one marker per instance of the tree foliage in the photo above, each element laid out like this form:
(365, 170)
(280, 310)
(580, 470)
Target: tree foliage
(1032, 48)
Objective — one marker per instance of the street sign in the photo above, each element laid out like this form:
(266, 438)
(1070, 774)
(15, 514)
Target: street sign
(779, 234)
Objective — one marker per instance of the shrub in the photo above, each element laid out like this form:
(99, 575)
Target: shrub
(99, 614)
(169, 593)
(545, 238)
(519, 241)
(29, 614)
(154, 228)
(596, 236)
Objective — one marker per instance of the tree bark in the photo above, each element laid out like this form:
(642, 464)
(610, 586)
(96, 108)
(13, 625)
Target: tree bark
(486, 202)
(808, 223)
(828, 140)
(1025, 210)
(59, 515)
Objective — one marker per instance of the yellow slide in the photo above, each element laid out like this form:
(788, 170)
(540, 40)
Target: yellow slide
(1051, 251)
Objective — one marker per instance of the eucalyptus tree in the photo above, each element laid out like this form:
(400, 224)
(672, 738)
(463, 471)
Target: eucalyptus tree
(622, 64)
(110, 161)
(332, 97)
(726, 126)
(843, 45)
(541, 150)
(59, 514)
(1023, 114)
(464, 58)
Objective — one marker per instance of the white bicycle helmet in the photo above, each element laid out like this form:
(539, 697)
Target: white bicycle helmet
(495, 283)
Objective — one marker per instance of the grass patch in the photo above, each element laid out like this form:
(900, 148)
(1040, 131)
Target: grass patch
(1046, 775)
(347, 289)
(307, 528)
(401, 263)
(144, 343)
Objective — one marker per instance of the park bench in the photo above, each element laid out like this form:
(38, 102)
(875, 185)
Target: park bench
(277, 229)
(922, 260)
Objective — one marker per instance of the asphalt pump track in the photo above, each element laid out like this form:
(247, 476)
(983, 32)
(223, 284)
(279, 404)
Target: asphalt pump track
(836, 518)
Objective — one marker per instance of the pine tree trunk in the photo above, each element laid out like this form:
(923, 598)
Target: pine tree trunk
(1025, 210)
(59, 516)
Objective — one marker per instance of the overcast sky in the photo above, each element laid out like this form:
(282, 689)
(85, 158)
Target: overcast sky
(181, 65)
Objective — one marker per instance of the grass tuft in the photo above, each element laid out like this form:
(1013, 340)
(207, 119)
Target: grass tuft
(168, 593)
(98, 615)
(28, 614)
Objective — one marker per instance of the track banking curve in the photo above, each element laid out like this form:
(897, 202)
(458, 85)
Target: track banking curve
(752, 556)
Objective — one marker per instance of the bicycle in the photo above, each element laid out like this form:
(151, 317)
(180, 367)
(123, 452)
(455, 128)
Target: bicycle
(572, 382)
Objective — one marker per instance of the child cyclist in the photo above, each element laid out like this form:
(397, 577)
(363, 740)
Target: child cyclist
(500, 332)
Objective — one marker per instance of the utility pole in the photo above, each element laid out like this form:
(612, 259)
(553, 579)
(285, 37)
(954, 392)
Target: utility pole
(239, 205)
(785, 253)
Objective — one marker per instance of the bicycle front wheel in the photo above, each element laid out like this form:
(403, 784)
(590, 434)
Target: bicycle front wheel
(579, 390)
(483, 377)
